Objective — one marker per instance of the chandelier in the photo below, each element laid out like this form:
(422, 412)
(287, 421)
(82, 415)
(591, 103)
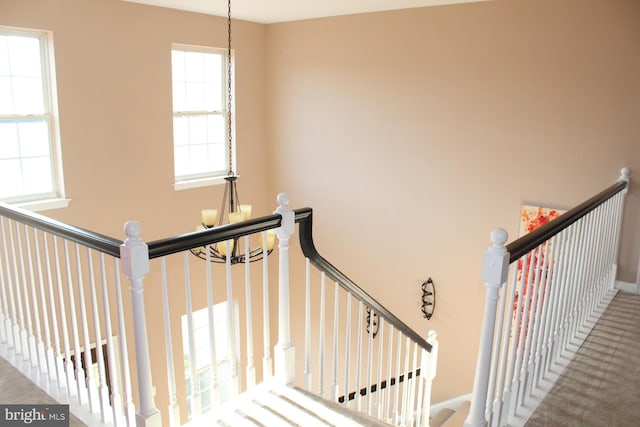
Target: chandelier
(230, 251)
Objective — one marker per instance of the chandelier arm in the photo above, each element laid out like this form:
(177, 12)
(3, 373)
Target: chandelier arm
(183, 242)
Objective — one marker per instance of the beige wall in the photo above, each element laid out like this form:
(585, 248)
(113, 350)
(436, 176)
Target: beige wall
(113, 66)
(411, 133)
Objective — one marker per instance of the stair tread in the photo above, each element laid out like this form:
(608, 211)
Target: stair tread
(441, 417)
(457, 419)
(270, 404)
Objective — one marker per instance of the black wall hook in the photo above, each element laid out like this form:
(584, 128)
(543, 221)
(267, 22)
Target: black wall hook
(372, 323)
(428, 298)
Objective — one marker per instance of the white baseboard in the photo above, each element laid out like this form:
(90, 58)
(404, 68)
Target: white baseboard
(455, 404)
(627, 287)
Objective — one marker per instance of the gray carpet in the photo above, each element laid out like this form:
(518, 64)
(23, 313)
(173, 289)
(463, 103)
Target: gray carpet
(15, 388)
(601, 385)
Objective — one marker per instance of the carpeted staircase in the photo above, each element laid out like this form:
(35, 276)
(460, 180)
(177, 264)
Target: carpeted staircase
(266, 405)
(448, 417)
(270, 404)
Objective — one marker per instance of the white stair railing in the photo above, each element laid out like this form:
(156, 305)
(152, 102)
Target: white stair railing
(63, 318)
(63, 304)
(374, 363)
(215, 304)
(544, 293)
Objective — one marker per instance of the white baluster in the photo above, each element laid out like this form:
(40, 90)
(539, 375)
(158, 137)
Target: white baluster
(510, 346)
(47, 351)
(531, 310)
(116, 396)
(251, 370)
(36, 333)
(23, 293)
(213, 359)
(568, 288)
(90, 386)
(234, 381)
(285, 351)
(369, 369)
(347, 350)
(396, 388)
(494, 273)
(5, 286)
(79, 371)
(378, 409)
(386, 410)
(12, 328)
(600, 262)
(196, 403)
(500, 354)
(412, 383)
(135, 264)
(19, 332)
(554, 344)
(587, 287)
(55, 356)
(321, 346)
(307, 326)
(358, 398)
(578, 286)
(541, 305)
(68, 365)
(103, 392)
(405, 384)
(334, 369)
(550, 304)
(522, 325)
(267, 363)
(174, 409)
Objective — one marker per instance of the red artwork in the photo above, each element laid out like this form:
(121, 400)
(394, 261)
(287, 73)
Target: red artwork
(531, 218)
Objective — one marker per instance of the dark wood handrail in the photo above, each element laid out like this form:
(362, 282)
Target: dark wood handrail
(183, 242)
(170, 245)
(530, 241)
(97, 241)
(305, 218)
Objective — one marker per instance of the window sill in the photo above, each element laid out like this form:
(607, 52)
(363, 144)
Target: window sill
(44, 205)
(195, 183)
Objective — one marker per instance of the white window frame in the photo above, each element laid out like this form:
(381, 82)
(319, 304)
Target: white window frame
(56, 198)
(223, 361)
(212, 177)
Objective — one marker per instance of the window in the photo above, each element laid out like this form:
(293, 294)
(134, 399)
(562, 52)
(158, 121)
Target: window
(203, 368)
(30, 168)
(200, 108)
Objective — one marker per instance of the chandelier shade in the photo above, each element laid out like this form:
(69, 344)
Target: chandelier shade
(232, 212)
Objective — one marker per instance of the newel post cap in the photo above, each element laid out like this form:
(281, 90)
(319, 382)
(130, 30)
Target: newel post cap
(134, 252)
(288, 216)
(495, 263)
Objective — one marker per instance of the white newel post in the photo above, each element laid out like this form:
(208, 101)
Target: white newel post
(495, 266)
(284, 352)
(428, 368)
(134, 256)
(625, 174)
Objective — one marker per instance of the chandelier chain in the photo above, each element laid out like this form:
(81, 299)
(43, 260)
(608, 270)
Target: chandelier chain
(229, 95)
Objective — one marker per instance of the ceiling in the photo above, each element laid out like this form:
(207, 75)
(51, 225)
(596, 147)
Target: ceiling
(271, 11)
